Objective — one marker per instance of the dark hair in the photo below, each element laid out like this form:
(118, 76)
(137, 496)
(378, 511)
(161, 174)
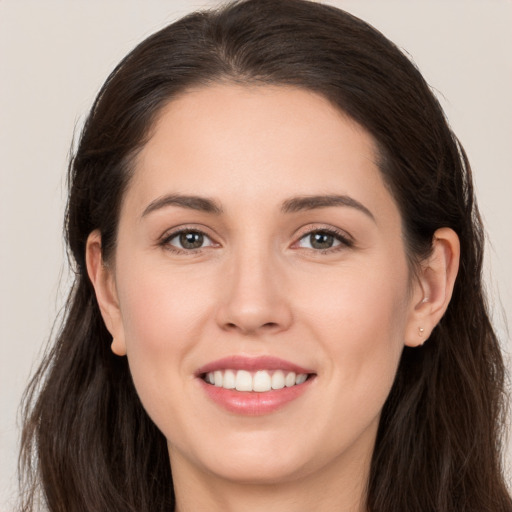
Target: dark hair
(87, 442)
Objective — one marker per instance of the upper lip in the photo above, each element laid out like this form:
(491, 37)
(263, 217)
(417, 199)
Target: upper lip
(251, 364)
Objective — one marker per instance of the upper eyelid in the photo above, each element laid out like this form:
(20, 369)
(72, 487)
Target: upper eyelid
(164, 241)
(171, 233)
(175, 234)
(305, 231)
(341, 243)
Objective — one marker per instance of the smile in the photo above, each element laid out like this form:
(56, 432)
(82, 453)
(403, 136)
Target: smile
(254, 386)
(260, 381)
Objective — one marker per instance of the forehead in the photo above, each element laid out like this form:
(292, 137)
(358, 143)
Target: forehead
(255, 143)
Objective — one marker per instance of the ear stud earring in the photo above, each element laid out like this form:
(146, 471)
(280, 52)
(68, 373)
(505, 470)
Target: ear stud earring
(421, 331)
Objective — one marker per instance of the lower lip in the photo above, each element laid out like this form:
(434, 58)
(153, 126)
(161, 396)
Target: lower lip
(254, 403)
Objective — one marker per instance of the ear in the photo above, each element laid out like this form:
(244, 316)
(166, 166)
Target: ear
(434, 287)
(103, 281)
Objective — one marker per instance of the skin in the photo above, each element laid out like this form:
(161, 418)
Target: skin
(258, 287)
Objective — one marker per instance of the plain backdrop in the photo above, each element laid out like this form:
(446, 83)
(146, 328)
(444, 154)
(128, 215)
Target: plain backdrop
(54, 56)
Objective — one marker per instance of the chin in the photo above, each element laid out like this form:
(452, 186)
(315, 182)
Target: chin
(253, 459)
(259, 470)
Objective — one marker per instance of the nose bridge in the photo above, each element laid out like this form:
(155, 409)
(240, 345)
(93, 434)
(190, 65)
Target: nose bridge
(254, 297)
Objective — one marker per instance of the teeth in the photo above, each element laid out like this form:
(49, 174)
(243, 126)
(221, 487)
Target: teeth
(260, 381)
(301, 378)
(229, 380)
(278, 380)
(289, 380)
(243, 381)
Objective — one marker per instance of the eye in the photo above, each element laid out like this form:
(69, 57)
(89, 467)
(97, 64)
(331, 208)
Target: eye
(188, 240)
(323, 240)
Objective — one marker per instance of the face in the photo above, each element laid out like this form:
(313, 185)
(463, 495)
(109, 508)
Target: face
(260, 285)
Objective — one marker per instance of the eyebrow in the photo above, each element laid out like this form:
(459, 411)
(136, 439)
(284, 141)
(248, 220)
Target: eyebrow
(202, 204)
(292, 205)
(297, 204)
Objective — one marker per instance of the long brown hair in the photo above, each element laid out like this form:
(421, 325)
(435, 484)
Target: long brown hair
(87, 442)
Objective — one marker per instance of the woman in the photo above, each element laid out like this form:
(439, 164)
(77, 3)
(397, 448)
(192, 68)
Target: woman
(278, 302)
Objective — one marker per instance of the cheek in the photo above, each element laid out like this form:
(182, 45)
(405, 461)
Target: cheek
(161, 310)
(163, 316)
(162, 323)
(360, 318)
(359, 302)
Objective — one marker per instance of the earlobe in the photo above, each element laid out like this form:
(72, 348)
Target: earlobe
(102, 279)
(434, 289)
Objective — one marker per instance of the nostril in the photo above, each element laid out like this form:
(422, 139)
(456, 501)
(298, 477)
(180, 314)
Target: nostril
(265, 326)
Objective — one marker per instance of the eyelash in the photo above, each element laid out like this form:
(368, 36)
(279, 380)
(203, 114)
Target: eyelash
(345, 241)
(165, 242)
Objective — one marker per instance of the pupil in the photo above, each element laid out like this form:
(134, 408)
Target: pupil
(191, 240)
(321, 240)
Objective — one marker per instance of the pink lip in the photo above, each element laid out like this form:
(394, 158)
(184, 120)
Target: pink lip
(251, 364)
(253, 403)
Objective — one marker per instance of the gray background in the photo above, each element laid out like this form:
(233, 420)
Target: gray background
(54, 55)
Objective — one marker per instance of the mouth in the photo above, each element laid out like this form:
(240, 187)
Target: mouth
(254, 386)
(259, 381)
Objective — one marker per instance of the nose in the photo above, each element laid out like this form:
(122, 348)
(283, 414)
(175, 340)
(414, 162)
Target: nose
(255, 296)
